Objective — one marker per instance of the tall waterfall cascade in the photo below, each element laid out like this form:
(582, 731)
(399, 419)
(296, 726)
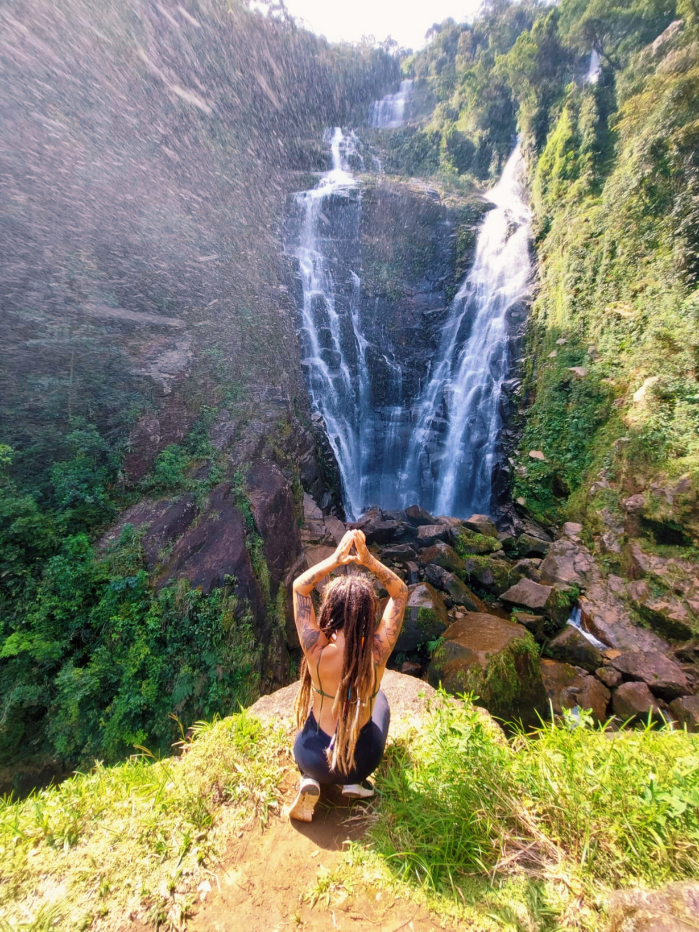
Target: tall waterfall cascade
(390, 111)
(451, 453)
(593, 69)
(332, 346)
(435, 443)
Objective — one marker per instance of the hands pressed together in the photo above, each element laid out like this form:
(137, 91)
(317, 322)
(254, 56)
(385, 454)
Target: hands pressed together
(353, 540)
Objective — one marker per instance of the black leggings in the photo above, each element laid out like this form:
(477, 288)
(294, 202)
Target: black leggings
(312, 742)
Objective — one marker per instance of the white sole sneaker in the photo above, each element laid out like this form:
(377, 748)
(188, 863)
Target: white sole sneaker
(308, 795)
(363, 790)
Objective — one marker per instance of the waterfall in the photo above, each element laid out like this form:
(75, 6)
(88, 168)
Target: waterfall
(332, 346)
(389, 112)
(397, 443)
(452, 449)
(593, 69)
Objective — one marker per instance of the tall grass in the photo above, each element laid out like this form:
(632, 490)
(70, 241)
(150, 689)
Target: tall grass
(135, 837)
(566, 806)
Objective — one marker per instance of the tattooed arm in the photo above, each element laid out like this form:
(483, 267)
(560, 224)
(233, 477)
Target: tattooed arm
(388, 630)
(304, 613)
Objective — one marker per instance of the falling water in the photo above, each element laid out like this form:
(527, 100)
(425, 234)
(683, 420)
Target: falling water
(331, 340)
(389, 112)
(593, 69)
(452, 450)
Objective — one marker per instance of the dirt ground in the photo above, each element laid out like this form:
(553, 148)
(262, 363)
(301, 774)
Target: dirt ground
(263, 882)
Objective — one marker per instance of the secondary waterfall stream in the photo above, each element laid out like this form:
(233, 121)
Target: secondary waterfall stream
(437, 447)
(451, 453)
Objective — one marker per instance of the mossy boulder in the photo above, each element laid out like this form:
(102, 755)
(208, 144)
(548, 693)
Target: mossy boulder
(493, 575)
(495, 659)
(467, 542)
(443, 555)
(425, 618)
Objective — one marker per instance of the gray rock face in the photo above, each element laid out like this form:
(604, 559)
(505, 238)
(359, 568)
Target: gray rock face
(634, 701)
(571, 646)
(663, 676)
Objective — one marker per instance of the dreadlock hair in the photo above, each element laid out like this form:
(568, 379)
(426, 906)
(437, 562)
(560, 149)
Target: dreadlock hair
(349, 605)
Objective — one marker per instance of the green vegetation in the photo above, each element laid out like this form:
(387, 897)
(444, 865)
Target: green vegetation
(137, 836)
(94, 659)
(531, 833)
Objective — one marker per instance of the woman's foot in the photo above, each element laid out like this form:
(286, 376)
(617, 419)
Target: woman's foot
(308, 795)
(363, 790)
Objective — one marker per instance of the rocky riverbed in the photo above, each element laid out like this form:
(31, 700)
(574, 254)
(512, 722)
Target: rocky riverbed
(527, 621)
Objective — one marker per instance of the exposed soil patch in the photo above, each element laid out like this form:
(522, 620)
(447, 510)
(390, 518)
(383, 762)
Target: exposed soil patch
(264, 880)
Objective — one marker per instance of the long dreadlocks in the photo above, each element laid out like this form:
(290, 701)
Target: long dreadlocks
(349, 605)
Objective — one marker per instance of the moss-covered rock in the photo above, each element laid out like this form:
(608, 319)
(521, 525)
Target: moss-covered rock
(495, 659)
(494, 576)
(468, 542)
(425, 618)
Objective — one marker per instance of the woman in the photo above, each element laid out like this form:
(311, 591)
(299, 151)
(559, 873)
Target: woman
(342, 737)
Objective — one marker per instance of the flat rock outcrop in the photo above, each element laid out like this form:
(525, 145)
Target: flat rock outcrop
(408, 697)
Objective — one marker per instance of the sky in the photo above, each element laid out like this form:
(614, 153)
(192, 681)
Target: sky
(406, 21)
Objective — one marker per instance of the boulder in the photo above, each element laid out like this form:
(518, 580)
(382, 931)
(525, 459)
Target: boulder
(470, 542)
(425, 618)
(529, 546)
(335, 528)
(493, 575)
(553, 601)
(529, 568)
(376, 528)
(428, 534)
(673, 908)
(443, 555)
(662, 675)
(567, 687)
(634, 701)
(535, 624)
(481, 524)
(566, 563)
(418, 516)
(495, 659)
(571, 646)
(528, 593)
(458, 591)
(686, 712)
(609, 676)
(398, 553)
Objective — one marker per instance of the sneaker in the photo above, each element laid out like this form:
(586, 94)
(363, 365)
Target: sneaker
(308, 795)
(363, 790)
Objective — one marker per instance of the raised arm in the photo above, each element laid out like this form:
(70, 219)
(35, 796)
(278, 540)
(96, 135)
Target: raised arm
(392, 619)
(304, 613)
